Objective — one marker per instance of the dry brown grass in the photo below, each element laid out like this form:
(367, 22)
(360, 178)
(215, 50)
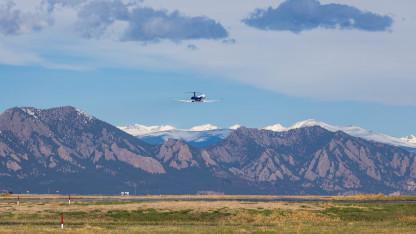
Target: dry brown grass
(199, 206)
(215, 214)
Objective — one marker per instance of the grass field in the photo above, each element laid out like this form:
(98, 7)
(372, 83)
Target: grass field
(208, 214)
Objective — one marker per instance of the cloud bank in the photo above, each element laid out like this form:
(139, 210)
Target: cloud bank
(137, 23)
(129, 20)
(14, 21)
(300, 15)
(146, 24)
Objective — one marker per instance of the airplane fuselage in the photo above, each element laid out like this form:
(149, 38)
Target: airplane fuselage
(197, 98)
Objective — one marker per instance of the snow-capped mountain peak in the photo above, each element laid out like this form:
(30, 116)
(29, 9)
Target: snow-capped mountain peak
(276, 128)
(204, 127)
(313, 122)
(301, 124)
(351, 130)
(138, 129)
(410, 139)
(201, 135)
(234, 127)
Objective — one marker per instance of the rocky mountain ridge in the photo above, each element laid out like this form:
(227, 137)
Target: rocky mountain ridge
(68, 150)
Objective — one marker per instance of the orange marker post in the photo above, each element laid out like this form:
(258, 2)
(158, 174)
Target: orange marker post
(62, 220)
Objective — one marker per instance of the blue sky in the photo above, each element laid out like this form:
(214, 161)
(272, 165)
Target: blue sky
(269, 61)
(135, 96)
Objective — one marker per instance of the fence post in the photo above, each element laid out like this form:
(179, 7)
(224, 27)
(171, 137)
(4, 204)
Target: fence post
(62, 220)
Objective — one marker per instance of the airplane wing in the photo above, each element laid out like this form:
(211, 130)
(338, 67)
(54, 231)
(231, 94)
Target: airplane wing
(185, 101)
(203, 101)
(211, 101)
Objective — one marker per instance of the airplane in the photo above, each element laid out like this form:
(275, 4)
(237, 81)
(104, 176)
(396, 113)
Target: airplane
(197, 97)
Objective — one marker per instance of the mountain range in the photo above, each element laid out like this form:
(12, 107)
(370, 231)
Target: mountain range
(67, 150)
(197, 136)
(208, 134)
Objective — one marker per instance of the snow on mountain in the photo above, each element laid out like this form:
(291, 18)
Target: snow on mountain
(208, 133)
(85, 114)
(351, 130)
(276, 128)
(410, 139)
(234, 127)
(138, 129)
(201, 135)
(30, 111)
(312, 122)
(204, 127)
